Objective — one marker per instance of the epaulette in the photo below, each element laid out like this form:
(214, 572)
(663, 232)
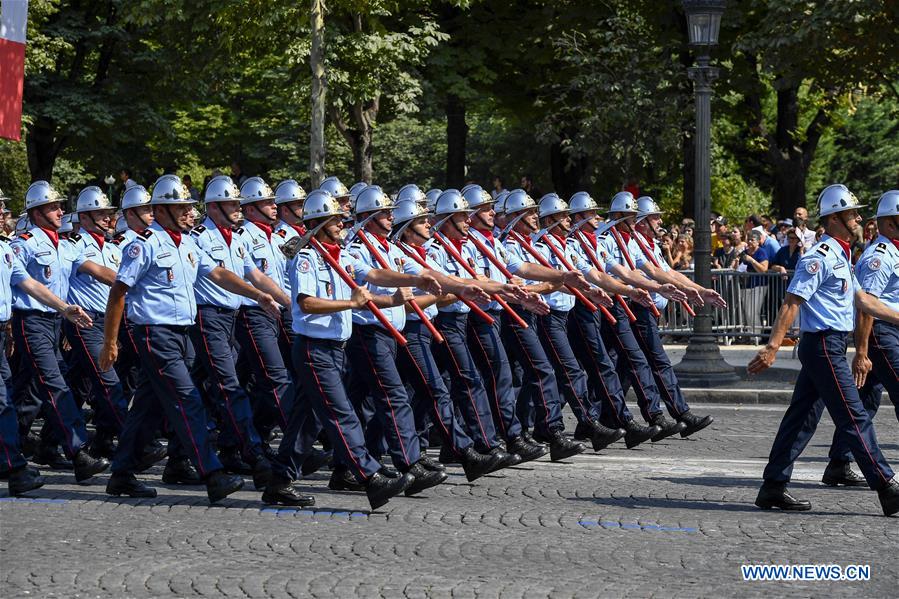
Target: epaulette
(25, 235)
(117, 239)
(145, 234)
(74, 237)
(197, 230)
(239, 230)
(822, 249)
(881, 248)
(282, 233)
(3, 237)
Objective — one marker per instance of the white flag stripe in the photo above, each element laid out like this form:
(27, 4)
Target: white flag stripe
(13, 20)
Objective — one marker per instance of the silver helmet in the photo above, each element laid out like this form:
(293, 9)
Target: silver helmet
(289, 191)
(837, 198)
(66, 225)
(431, 198)
(404, 213)
(518, 200)
(499, 205)
(221, 189)
(255, 189)
(647, 206)
(333, 186)
(411, 191)
(92, 198)
(477, 196)
(372, 199)
(888, 204)
(40, 193)
(135, 196)
(551, 204)
(450, 202)
(320, 204)
(623, 202)
(582, 202)
(169, 189)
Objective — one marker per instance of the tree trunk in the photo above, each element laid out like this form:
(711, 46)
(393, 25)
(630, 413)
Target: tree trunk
(319, 89)
(456, 139)
(688, 149)
(42, 148)
(362, 154)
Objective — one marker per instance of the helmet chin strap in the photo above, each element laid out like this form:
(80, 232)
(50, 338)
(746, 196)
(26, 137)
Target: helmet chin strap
(231, 221)
(104, 230)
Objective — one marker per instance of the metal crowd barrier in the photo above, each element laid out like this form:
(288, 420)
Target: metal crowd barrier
(753, 300)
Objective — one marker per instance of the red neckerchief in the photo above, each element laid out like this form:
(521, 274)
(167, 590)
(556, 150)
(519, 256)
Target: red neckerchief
(53, 235)
(382, 241)
(98, 238)
(560, 239)
(299, 229)
(523, 238)
(895, 242)
(457, 243)
(226, 233)
(333, 250)
(488, 235)
(420, 249)
(175, 235)
(267, 229)
(591, 237)
(844, 245)
(625, 236)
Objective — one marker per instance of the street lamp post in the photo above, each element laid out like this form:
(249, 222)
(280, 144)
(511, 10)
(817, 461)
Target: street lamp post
(702, 364)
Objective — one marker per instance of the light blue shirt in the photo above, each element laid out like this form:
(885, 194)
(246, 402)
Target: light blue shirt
(282, 234)
(485, 267)
(557, 300)
(518, 256)
(398, 262)
(824, 279)
(161, 277)
(85, 290)
(640, 260)
(233, 257)
(12, 272)
(264, 254)
(430, 311)
(313, 276)
(124, 238)
(47, 264)
(443, 262)
(608, 252)
(878, 271)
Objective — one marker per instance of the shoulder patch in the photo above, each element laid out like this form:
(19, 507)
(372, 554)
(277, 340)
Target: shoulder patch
(881, 248)
(74, 237)
(874, 264)
(134, 250)
(813, 266)
(145, 234)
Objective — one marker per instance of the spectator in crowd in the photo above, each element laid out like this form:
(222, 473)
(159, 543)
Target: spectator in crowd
(787, 256)
(819, 231)
(680, 257)
(237, 174)
(498, 186)
(527, 184)
(754, 259)
(726, 255)
(870, 232)
(807, 237)
(9, 223)
(125, 178)
(767, 223)
(189, 183)
(737, 240)
(719, 232)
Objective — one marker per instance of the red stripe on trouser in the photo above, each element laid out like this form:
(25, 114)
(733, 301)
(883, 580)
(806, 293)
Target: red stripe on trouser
(602, 381)
(536, 376)
(99, 378)
(218, 381)
(130, 336)
(174, 391)
(265, 370)
(649, 358)
(474, 406)
(885, 357)
(334, 418)
(396, 427)
(499, 410)
(424, 380)
(851, 417)
(565, 370)
(6, 451)
(40, 378)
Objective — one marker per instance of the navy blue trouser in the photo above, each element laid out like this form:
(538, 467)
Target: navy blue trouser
(165, 391)
(320, 365)
(538, 382)
(107, 398)
(646, 330)
(467, 386)
(883, 350)
(485, 343)
(10, 452)
(272, 393)
(373, 355)
(37, 335)
(285, 340)
(826, 381)
(630, 363)
(418, 367)
(605, 387)
(553, 331)
(128, 363)
(213, 339)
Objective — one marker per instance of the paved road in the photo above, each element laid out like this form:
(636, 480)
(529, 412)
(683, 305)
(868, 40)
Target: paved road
(673, 520)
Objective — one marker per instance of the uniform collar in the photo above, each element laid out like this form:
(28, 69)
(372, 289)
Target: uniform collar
(99, 239)
(52, 236)
(267, 229)
(843, 244)
(166, 235)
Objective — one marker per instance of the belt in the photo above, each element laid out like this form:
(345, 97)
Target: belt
(217, 309)
(175, 328)
(41, 313)
(333, 343)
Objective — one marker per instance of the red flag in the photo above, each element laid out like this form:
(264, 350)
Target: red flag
(13, 19)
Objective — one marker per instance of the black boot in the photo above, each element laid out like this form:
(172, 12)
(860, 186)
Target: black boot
(262, 472)
(125, 483)
(85, 466)
(315, 461)
(637, 434)
(694, 423)
(601, 436)
(51, 457)
(447, 456)
(380, 489)
(342, 480)
(667, 427)
(29, 442)
(775, 495)
(424, 478)
(476, 465)
(430, 463)
(179, 471)
(560, 447)
(24, 479)
(841, 473)
(527, 451)
(232, 462)
(154, 452)
(219, 485)
(102, 446)
(280, 492)
(889, 498)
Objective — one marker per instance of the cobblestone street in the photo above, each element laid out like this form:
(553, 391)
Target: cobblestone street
(672, 519)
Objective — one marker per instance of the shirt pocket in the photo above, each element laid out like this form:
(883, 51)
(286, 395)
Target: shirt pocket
(165, 268)
(220, 256)
(262, 259)
(45, 267)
